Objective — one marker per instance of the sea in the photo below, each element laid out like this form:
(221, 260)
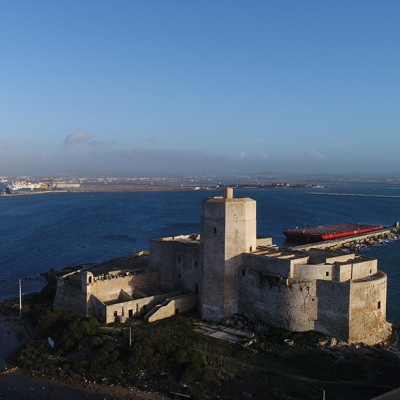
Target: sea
(55, 230)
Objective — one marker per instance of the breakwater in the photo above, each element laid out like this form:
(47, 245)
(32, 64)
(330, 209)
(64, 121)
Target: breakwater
(382, 196)
(354, 242)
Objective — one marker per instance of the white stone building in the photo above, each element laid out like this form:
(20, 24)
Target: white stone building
(227, 270)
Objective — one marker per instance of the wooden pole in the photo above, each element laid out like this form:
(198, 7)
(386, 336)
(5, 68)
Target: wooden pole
(20, 297)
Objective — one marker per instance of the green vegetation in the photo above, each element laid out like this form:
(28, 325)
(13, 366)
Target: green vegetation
(169, 356)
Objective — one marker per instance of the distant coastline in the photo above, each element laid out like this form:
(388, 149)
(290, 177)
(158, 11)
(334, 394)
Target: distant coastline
(162, 188)
(384, 196)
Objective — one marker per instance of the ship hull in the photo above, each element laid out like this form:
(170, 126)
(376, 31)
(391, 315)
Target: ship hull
(329, 232)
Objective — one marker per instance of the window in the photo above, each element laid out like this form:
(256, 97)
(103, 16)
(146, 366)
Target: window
(215, 230)
(179, 276)
(179, 260)
(379, 305)
(196, 264)
(251, 249)
(115, 313)
(327, 273)
(370, 271)
(243, 272)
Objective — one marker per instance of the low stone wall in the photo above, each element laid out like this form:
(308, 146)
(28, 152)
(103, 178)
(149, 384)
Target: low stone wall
(172, 307)
(135, 307)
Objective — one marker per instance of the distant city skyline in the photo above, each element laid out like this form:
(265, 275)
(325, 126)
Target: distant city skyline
(176, 87)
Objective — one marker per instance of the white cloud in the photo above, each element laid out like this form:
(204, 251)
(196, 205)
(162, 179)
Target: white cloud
(263, 155)
(241, 155)
(315, 155)
(4, 145)
(79, 137)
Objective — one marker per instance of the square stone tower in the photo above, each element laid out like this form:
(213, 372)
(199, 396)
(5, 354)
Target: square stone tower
(227, 230)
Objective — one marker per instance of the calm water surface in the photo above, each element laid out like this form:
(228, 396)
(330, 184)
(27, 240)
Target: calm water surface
(40, 232)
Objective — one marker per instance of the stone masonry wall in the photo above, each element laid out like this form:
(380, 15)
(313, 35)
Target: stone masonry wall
(71, 299)
(213, 260)
(179, 263)
(286, 303)
(107, 289)
(174, 306)
(333, 308)
(368, 310)
(268, 264)
(228, 229)
(133, 308)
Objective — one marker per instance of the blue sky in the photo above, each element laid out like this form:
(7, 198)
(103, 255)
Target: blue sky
(190, 87)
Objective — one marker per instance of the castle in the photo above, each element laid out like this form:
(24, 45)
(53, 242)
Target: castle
(227, 270)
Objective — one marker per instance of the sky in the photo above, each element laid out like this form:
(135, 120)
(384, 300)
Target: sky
(140, 87)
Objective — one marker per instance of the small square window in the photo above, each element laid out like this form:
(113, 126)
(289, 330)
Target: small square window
(327, 273)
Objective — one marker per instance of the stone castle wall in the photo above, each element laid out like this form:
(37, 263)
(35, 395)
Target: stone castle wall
(108, 288)
(286, 303)
(71, 299)
(178, 262)
(333, 308)
(353, 311)
(368, 310)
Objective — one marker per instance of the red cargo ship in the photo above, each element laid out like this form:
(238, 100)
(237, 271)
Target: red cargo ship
(328, 232)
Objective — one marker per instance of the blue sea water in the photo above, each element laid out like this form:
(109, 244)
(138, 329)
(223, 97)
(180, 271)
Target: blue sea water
(55, 230)
(39, 232)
